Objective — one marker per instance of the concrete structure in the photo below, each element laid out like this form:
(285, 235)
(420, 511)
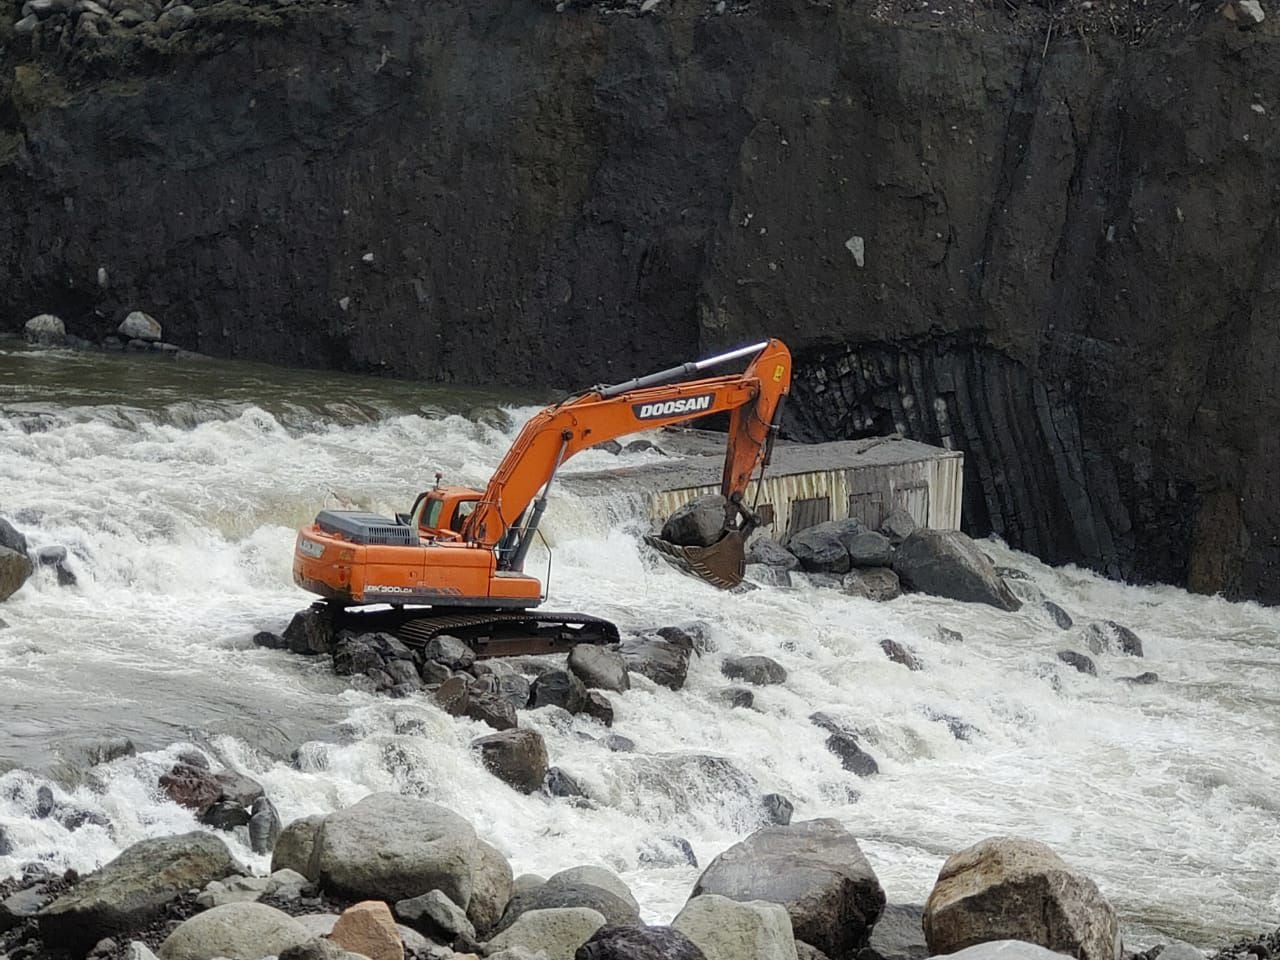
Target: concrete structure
(805, 484)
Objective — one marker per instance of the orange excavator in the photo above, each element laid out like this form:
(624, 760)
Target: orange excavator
(455, 562)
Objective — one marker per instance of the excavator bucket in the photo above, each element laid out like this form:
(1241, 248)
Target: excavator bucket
(722, 564)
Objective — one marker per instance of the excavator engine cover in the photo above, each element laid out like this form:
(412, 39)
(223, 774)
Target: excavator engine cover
(722, 564)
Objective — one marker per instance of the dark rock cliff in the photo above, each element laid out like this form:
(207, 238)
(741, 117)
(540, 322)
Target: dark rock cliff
(1052, 247)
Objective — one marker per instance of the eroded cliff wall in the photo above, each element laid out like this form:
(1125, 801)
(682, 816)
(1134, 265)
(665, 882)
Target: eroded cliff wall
(1053, 248)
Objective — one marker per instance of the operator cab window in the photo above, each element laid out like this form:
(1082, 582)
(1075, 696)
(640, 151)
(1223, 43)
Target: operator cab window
(431, 515)
(465, 509)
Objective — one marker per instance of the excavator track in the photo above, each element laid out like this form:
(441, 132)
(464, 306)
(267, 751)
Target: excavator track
(490, 633)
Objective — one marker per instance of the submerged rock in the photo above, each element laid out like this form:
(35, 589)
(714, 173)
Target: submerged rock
(761, 671)
(852, 757)
(1080, 661)
(899, 653)
(1107, 636)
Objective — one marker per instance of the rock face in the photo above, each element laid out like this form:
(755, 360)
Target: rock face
(1013, 286)
(133, 889)
(1009, 889)
(946, 563)
(725, 929)
(816, 870)
(394, 847)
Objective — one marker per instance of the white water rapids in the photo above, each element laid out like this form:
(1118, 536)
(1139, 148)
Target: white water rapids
(178, 488)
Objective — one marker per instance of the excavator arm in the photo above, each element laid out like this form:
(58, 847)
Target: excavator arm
(752, 399)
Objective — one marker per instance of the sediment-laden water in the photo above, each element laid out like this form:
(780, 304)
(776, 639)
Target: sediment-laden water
(177, 488)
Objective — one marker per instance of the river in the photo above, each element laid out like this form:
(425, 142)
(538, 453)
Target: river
(177, 487)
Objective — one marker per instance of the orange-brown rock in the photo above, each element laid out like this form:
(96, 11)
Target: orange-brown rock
(368, 928)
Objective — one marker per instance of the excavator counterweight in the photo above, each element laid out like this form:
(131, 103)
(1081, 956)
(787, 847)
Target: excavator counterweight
(455, 562)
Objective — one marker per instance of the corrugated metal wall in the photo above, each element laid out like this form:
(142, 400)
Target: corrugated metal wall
(931, 490)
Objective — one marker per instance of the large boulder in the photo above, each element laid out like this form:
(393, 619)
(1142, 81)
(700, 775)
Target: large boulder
(898, 525)
(1005, 888)
(491, 888)
(133, 889)
(823, 548)
(15, 569)
(558, 688)
(236, 931)
(869, 549)
(872, 583)
(390, 847)
(1004, 950)
(662, 661)
(556, 932)
(596, 877)
(612, 907)
(898, 934)
(946, 563)
(727, 929)
(639, 943)
(140, 326)
(699, 523)
(45, 330)
(816, 870)
(516, 757)
(770, 553)
(437, 916)
(294, 845)
(599, 668)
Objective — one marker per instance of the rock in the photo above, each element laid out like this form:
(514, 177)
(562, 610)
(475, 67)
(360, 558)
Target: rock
(599, 708)
(1107, 636)
(644, 446)
(237, 931)
(45, 330)
(1006, 888)
(725, 929)
(699, 523)
(599, 668)
(663, 662)
(898, 525)
(27, 25)
(616, 743)
(872, 583)
(133, 889)
(436, 916)
(761, 671)
(1142, 679)
(560, 784)
(140, 326)
(869, 549)
(899, 653)
(491, 709)
(137, 950)
(318, 948)
(770, 553)
(946, 563)
(515, 689)
(640, 943)
(394, 847)
(21, 906)
(816, 870)
(669, 852)
(565, 894)
(1006, 950)
(767, 576)
(959, 728)
(11, 538)
(294, 846)
(235, 890)
(948, 636)
(595, 877)
(368, 928)
(491, 888)
(558, 688)
(176, 18)
(1078, 660)
(15, 570)
(898, 935)
(852, 757)
(264, 826)
(608, 446)
(821, 549)
(310, 631)
(516, 757)
(777, 808)
(225, 815)
(1247, 14)
(453, 696)
(1060, 616)
(191, 787)
(449, 652)
(238, 788)
(736, 696)
(558, 932)
(806, 952)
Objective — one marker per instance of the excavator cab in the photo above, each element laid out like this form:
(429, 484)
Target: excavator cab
(439, 513)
